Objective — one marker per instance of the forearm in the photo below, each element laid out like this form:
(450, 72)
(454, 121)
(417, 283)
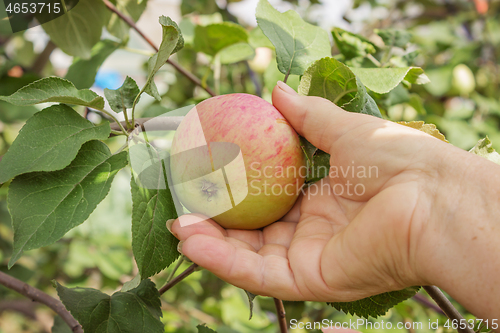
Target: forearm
(464, 248)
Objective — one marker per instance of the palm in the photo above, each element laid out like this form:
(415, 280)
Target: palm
(292, 260)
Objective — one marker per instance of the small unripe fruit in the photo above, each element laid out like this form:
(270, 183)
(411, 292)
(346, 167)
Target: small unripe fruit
(236, 159)
(463, 80)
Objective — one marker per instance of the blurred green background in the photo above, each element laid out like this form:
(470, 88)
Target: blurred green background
(457, 43)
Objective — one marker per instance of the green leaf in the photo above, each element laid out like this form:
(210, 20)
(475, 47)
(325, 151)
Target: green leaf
(331, 79)
(46, 205)
(308, 149)
(377, 305)
(60, 326)
(123, 97)
(352, 45)
(394, 37)
(153, 245)
(235, 53)
(49, 141)
(134, 283)
(297, 43)
(83, 71)
(131, 8)
(54, 89)
(135, 311)
(251, 297)
(204, 329)
(320, 167)
(172, 41)
(78, 30)
(484, 148)
(383, 80)
(212, 38)
(363, 102)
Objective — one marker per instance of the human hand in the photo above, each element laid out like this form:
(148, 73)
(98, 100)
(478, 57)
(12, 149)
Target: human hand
(336, 244)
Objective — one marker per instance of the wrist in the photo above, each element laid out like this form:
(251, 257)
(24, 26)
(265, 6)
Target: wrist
(458, 251)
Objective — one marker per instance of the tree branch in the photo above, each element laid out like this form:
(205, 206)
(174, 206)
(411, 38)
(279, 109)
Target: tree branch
(178, 278)
(132, 24)
(280, 312)
(43, 58)
(41, 297)
(448, 308)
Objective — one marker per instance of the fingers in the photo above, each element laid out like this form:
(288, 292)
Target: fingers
(260, 274)
(203, 225)
(317, 119)
(248, 239)
(278, 233)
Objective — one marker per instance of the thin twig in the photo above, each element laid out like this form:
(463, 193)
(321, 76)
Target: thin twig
(116, 122)
(448, 308)
(132, 24)
(41, 297)
(280, 312)
(160, 124)
(374, 60)
(179, 263)
(178, 278)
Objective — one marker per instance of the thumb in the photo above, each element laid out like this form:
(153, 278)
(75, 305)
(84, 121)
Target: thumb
(317, 119)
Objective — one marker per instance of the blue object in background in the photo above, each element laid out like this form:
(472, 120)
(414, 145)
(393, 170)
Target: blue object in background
(108, 79)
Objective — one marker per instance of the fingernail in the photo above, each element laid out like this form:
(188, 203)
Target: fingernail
(286, 88)
(169, 225)
(179, 246)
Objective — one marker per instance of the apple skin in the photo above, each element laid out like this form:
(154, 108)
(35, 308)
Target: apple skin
(264, 177)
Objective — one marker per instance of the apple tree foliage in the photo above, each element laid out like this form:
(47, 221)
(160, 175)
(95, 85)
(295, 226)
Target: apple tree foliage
(60, 166)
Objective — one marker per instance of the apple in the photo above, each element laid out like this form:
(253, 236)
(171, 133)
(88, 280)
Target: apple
(235, 159)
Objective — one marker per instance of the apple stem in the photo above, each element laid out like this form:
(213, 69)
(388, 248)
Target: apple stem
(287, 74)
(280, 312)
